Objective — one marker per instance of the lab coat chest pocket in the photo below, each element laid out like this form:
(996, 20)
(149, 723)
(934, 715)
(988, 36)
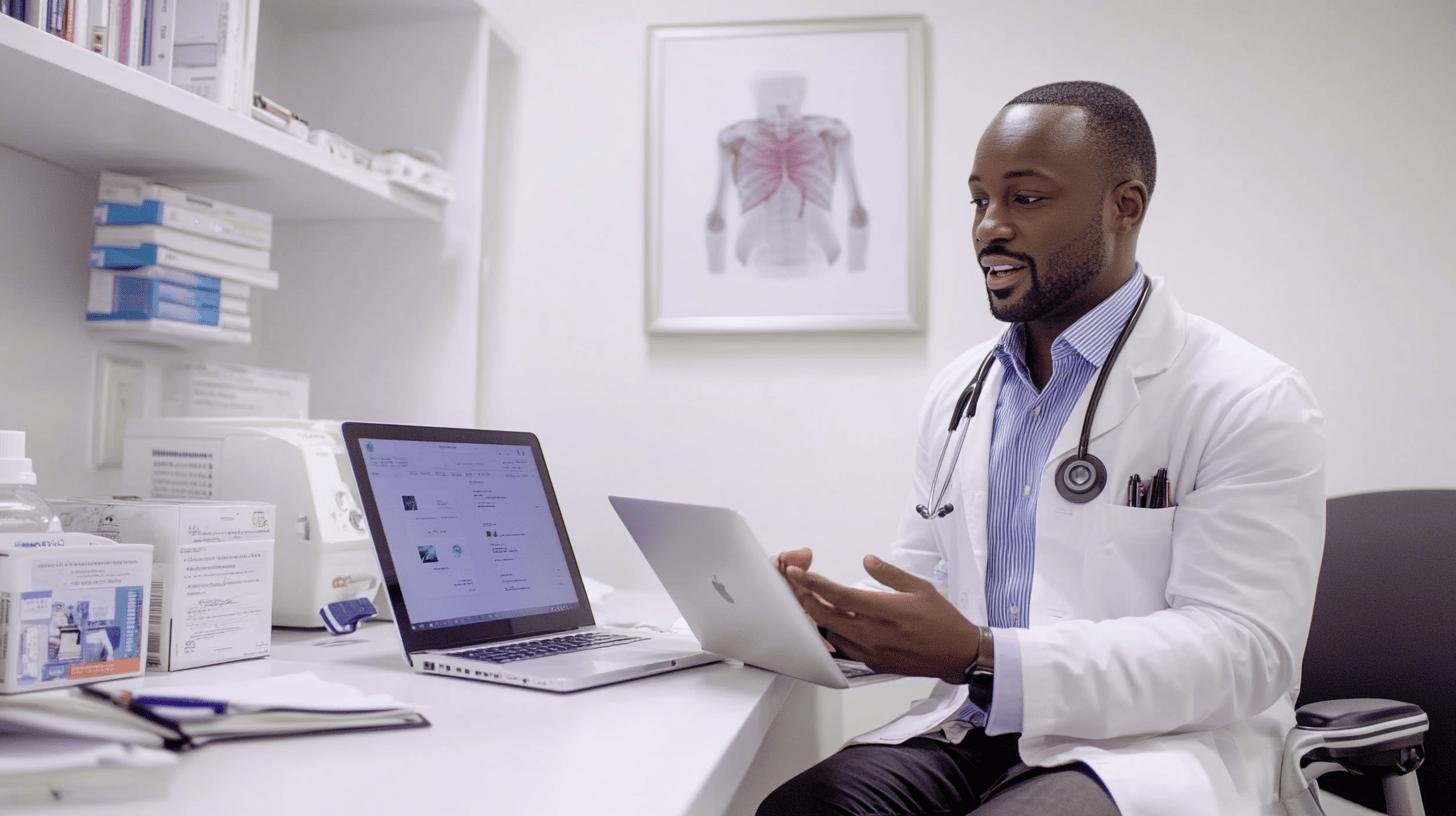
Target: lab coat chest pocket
(1126, 570)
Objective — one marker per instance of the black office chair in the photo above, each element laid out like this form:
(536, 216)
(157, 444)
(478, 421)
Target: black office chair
(1382, 629)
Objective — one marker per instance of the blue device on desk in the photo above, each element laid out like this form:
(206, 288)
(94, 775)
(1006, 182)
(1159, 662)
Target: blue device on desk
(343, 617)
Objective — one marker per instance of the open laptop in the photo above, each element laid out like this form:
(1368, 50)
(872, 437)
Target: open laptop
(480, 573)
(730, 594)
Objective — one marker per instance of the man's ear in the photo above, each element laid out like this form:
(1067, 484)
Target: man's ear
(1130, 205)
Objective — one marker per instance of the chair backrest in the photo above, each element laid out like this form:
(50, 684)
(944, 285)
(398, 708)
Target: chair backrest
(1385, 622)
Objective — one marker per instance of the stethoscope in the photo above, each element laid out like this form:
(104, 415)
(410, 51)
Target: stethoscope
(1080, 477)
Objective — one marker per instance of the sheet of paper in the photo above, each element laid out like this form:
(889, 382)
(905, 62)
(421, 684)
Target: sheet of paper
(303, 690)
(24, 754)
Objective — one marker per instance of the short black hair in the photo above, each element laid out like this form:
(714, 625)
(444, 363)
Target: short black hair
(1113, 118)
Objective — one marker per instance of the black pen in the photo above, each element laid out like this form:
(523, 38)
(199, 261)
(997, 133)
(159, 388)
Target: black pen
(1131, 488)
(1137, 490)
(1159, 482)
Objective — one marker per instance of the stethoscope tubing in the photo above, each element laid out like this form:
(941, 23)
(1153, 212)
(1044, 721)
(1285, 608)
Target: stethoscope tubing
(970, 397)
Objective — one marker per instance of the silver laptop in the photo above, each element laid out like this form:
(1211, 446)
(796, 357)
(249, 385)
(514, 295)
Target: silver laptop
(480, 573)
(734, 600)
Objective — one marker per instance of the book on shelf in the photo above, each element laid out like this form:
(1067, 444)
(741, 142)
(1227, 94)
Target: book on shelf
(112, 292)
(114, 257)
(125, 23)
(99, 19)
(142, 234)
(161, 29)
(120, 188)
(249, 58)
(82, 30)
(161, 310)
(160, 213)
(237, 290)
(210, 283)
(235, 322)
(211, 50)
(183, 717)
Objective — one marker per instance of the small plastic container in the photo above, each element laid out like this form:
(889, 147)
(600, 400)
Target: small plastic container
(22, 510)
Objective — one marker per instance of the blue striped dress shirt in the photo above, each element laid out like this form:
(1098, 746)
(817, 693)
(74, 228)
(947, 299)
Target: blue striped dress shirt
(1026, 425)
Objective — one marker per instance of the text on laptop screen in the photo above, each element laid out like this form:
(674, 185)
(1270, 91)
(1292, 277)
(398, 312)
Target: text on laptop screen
(469, 529)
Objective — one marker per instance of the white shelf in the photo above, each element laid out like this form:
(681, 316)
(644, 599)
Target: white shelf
(335, 14)
(82, 111)
(169, 333)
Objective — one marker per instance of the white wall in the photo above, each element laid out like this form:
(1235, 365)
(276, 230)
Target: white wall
(1302, 202)
(47, 355)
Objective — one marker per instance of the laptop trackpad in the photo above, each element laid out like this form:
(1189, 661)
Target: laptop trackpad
(598, 661)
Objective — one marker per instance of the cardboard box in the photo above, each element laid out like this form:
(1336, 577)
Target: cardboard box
(212, 576)
(72, 609)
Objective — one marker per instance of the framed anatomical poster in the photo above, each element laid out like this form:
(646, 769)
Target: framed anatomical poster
(785, 176)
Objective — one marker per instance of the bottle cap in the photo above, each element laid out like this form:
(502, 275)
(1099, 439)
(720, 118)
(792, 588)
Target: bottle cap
(14, 467)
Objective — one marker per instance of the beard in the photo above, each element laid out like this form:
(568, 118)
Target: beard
(1067, 272)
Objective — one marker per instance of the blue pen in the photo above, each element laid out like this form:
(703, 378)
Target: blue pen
(159, 701)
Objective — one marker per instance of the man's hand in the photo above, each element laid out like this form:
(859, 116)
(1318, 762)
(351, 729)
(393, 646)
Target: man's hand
(800, 558)
(912, 631)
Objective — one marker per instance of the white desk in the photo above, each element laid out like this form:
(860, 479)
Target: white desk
(678, 743)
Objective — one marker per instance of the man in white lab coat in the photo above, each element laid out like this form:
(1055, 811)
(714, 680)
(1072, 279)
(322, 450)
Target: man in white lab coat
(1136, 652)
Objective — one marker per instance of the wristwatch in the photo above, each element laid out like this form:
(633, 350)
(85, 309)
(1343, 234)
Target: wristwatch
(980, 675)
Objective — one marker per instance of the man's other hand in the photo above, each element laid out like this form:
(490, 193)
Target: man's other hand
(913, 630)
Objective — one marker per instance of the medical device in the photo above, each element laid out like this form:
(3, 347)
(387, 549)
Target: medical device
(1080, 477)
(323, 550)
(344, 617)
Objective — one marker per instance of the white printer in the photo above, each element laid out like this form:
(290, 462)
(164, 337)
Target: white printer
(323, 550)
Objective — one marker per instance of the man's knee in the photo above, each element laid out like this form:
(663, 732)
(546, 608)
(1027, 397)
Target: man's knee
(1071, 790)
(815, 792)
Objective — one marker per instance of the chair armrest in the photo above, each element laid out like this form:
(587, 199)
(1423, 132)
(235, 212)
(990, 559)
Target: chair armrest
(1354, 715)
(1381, 738)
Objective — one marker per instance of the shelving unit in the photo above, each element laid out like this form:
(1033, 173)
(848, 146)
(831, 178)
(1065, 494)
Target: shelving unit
(88, 113)
(379, 286)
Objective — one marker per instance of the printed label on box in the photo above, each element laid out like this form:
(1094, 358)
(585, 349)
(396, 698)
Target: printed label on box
(221, 603)
(77, 629)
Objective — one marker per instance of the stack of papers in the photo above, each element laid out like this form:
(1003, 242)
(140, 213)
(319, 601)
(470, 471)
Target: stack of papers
(41, 768)
(62, 744)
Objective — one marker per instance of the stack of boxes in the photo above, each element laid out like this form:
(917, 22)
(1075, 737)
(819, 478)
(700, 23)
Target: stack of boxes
(169, 263)
(211, 598)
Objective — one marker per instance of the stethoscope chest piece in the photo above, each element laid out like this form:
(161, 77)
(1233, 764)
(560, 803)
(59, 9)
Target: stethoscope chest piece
(1080, 479)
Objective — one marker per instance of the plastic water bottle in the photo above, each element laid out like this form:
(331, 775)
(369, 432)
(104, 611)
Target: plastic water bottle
(21, 509)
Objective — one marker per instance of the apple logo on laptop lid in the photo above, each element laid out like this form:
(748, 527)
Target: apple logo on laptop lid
(722, 590)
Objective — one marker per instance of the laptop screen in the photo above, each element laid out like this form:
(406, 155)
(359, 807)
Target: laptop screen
(469, 530)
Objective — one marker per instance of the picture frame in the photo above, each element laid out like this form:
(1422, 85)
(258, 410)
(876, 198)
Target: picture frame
(785, 176)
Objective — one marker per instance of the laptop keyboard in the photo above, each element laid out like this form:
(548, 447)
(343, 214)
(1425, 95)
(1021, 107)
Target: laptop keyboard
(854, 668)
(512, 652)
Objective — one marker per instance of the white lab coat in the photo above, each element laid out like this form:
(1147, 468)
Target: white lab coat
(1164, 646)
